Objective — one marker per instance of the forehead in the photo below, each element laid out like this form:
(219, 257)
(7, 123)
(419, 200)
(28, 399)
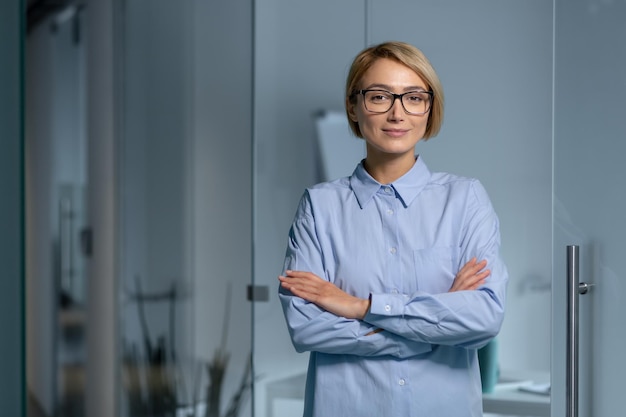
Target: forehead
(392, 74)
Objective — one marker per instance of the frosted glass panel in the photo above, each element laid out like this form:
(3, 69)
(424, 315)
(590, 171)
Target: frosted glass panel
(589, 201)
(185, 210)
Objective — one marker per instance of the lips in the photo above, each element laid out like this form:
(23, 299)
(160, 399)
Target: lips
(396, 133)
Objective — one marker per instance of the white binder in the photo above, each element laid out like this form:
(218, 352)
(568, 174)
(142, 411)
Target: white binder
(340, 150)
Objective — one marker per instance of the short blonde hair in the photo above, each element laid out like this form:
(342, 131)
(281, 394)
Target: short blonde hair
(405, 54)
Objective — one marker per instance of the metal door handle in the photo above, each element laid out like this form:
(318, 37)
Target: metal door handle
(584, 288)
(574, 288)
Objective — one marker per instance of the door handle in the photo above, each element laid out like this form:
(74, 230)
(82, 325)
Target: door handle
(584, 288)
(574, 288)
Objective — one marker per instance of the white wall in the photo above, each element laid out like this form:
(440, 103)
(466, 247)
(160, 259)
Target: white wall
(494, 59)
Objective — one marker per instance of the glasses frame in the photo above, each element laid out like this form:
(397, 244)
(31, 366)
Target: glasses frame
(396, 96)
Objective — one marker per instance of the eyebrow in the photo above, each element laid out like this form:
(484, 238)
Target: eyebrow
(389, 88)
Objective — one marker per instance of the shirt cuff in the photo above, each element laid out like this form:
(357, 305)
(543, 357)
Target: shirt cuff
(386, 305)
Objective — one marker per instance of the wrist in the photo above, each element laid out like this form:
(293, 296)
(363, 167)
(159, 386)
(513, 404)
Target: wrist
(365, 307)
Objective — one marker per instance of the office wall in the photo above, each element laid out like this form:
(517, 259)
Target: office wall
(494, 59)
(12, 378)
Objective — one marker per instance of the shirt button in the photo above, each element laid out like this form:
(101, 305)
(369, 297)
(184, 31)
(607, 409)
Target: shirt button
(392, 250)
(388, 190)
(394, 291)
(389, 211)
(401, 381)
(387, 307)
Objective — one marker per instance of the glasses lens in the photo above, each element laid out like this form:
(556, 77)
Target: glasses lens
(416, 102)
(378, 101)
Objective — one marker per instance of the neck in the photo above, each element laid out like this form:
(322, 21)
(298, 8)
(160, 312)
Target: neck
(389, 168)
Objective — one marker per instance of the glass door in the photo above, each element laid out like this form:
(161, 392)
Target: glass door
(497, 74)
(55, 215)
(589, 201)
(184, 209)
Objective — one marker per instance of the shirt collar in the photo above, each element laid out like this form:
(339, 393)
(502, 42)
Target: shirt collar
(407, 187)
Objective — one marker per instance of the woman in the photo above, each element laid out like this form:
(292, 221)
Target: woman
(393, 277)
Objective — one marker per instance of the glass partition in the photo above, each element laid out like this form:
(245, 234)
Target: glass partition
(55, 185)
(219, 134)
(185, 337)
(495, 63)
(589, 202)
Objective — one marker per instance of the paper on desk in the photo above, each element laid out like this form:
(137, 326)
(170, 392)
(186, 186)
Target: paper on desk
(542, 389)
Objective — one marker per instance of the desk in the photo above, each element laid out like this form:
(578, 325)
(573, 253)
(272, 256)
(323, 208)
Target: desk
(291, 388)
(506, 398)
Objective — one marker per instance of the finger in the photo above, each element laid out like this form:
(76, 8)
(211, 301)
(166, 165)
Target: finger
(471, 277)
(302, 291)
(308, 287)
(478, 279)
(303, 275)
(467, 266)
(293, 273)
(475, 281)
(472, 267)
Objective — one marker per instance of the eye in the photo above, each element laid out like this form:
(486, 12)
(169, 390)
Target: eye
(379, 97)
(416, 97)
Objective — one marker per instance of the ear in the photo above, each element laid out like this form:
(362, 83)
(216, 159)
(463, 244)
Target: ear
(351, 107)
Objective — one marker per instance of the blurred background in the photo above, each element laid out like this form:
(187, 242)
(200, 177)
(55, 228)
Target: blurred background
(154, 152)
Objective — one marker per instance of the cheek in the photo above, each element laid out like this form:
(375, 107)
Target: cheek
(367, 130)
(368, 121)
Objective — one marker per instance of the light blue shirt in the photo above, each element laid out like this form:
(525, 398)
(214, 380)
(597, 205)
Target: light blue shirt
(400, 244)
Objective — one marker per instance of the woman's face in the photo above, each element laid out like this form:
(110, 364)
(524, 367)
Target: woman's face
(394, 133)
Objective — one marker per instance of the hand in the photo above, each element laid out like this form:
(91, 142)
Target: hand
(324, 294)
(471, 276)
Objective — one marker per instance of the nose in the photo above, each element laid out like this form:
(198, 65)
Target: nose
(396, 112)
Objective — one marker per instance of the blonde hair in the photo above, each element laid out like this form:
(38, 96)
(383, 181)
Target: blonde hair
(405, 54)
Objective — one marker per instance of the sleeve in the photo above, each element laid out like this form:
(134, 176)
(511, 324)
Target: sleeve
(464, 318)
(314, 329)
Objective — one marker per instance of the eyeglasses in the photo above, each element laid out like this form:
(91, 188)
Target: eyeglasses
(381, 101)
